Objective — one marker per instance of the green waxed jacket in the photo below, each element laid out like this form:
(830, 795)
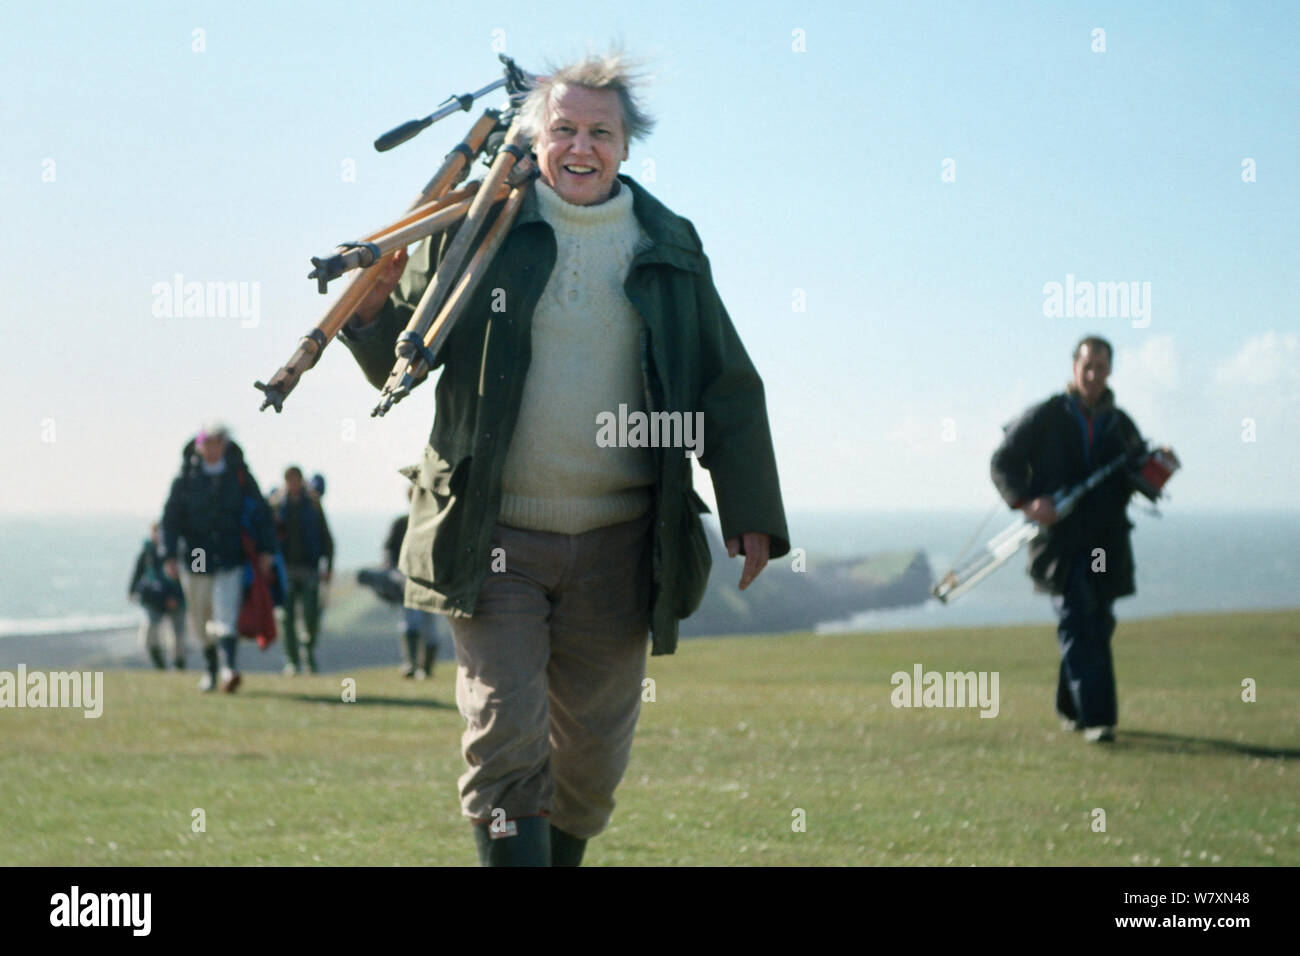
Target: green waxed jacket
(691, 358)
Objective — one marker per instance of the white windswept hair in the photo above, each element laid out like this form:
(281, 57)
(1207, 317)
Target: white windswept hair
(611, 71)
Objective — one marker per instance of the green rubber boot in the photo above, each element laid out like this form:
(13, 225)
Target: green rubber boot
(566, 849)
(530, 846)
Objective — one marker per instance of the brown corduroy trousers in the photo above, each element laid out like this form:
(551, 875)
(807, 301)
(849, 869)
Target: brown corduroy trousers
(549, 675)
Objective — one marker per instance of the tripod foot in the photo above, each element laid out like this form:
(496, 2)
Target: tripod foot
(274, 398)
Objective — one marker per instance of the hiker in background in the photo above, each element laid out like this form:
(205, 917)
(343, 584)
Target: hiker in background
(212, 499)
(420, 638)
(1085, 561)
(161, 597)
(308, 550)
(317, 485)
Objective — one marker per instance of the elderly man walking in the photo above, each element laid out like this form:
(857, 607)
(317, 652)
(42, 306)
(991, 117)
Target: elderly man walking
(553, 554)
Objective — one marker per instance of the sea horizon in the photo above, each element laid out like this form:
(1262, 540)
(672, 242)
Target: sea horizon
(1187, 562)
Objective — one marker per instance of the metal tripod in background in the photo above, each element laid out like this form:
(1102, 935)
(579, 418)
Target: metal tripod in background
(1002, 547)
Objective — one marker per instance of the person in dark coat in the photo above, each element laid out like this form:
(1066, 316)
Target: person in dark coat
(1085, 560)
(308, 550)
(420, 638)
(161, 597)
(212, 500)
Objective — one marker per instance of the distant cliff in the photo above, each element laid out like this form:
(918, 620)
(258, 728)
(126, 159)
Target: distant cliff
(358, 630)
(783, 599)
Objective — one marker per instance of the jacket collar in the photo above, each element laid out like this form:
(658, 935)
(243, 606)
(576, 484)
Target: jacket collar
(1104, 404)
(673, 240)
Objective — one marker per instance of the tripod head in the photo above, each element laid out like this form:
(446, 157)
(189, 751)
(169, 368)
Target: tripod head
(516, 81)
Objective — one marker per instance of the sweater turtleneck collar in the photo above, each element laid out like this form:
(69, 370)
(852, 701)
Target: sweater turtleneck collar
(612, 213)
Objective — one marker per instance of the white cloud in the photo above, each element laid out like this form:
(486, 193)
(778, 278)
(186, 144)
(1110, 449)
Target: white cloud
(1269, 359)
(1153, 367)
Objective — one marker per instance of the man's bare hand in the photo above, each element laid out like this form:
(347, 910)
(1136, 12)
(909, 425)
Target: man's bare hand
(1041, 510)
(268, 562)
(389, 274)
(757, 547)
(169, 569)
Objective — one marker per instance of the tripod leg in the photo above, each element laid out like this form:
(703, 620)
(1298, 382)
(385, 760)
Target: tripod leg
(469, 281)
(310, 347)
(415, 362)
(453, 263)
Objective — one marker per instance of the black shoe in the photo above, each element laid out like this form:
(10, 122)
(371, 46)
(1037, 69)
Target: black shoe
(209, 680)
(566, 849)
(529, 846)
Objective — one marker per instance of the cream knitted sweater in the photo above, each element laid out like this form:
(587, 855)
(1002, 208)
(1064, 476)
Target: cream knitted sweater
(585, 360)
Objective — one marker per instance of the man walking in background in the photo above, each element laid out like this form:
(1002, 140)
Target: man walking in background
(308, 550)
(161, 597)
(419, 628)
(212, 500)
(1085, 560)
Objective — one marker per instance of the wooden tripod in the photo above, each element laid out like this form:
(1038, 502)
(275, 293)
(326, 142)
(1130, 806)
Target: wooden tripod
(454, 282)
(435, 209)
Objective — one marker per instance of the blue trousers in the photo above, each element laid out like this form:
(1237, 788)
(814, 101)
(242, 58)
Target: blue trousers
(1085, 689)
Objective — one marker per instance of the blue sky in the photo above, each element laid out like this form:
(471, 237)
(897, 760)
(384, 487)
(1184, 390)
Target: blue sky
(130, 156)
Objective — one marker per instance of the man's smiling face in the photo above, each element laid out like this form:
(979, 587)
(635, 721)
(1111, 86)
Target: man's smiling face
(1091, 369)
(582, 144)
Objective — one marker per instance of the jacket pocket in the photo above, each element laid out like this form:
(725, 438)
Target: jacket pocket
(436, 486)
(694, 559)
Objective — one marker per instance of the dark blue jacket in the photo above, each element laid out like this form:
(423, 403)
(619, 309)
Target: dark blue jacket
(151, 583)
(313, 530)
(207, 512)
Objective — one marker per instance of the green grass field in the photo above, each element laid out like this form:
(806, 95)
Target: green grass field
(743, 733)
